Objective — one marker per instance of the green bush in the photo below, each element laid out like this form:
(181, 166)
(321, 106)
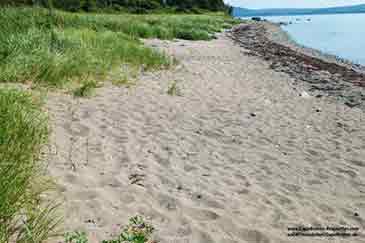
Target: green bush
(193, 34)
(69, 5)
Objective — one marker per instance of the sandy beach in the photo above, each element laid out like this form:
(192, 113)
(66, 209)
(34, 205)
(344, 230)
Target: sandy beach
(239, 155)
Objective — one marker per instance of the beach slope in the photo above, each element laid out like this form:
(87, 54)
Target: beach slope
(239, 153)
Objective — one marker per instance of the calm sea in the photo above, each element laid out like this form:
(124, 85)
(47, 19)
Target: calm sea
(342, 35)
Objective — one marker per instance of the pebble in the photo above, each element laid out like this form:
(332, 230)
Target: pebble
(305, 95)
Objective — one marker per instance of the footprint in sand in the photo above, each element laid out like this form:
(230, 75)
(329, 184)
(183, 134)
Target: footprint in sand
(349, 173)
(326, 209)
(184, 231)
(167, 202)
(77, 129)
(254, 236)
(202, 214)
(200, 236)
(360, 163)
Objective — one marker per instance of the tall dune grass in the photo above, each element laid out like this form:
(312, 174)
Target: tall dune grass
(23, 130)
(54, 49)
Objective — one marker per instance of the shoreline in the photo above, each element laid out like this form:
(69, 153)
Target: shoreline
(277, 34)
(325, 74)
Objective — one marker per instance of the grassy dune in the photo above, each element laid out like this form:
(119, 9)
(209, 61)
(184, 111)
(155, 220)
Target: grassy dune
(54, 49)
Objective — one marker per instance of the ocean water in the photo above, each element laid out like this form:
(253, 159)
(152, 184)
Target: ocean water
(342, 35)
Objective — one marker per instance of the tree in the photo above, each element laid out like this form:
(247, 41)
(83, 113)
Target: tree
(69, 5)
(137, 6)
(89, 5)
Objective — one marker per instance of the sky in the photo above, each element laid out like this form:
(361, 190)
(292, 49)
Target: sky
(292, 3)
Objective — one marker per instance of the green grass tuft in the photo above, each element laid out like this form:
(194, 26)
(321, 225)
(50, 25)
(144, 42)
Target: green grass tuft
(23, 130)
(137, 231)
(173, 89)
(76, 237)
(86, 89)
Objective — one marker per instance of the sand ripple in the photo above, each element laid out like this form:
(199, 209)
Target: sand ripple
(238, 157)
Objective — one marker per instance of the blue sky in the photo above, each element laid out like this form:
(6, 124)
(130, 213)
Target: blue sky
(291, 3)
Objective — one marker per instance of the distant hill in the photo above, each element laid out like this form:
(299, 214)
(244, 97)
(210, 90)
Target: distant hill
(244, 12)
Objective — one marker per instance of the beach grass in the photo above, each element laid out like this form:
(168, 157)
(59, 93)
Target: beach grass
(173, 89)
(23, 130)
(86, 88)
(54, 49)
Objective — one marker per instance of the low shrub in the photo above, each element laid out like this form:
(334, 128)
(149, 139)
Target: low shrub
(137, 231)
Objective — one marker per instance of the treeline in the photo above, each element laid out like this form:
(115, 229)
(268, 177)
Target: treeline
(134, 6)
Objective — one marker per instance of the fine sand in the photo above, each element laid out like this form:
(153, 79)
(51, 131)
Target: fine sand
(238, 156)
